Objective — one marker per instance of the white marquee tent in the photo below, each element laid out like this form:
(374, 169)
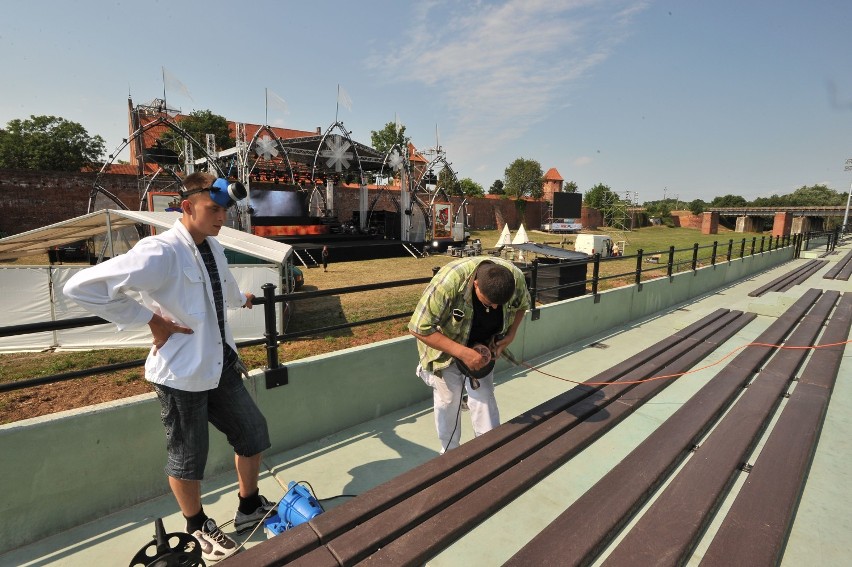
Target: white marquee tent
(33, 294)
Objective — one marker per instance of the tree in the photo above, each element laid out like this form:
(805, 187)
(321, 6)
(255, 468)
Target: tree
(496, 188)
(697, 206)
(471, 188)
(524, 178)
(570, 187)
(384, 139)
(447, 181)
(48, 143)
(198, 124)
(603, 199)
(729, 201)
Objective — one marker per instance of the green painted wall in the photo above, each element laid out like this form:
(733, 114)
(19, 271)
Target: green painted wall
(69, 468)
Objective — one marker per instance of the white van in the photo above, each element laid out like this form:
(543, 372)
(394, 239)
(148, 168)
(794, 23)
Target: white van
(594, 244)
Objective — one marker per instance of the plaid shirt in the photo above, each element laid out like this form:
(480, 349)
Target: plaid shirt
(450, 289)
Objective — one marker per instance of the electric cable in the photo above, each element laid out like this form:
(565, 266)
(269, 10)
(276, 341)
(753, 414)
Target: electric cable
(458, 413)
(508, 356)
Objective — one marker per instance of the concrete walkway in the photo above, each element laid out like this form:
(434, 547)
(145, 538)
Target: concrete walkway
(354, 460)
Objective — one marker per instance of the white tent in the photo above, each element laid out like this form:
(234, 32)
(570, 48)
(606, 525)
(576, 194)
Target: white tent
(33, 294)
(521, 236)
(505, 237)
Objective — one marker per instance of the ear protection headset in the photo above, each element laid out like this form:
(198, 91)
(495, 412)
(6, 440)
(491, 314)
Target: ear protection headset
(223, 193)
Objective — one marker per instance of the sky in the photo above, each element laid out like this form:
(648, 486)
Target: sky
(686, 99)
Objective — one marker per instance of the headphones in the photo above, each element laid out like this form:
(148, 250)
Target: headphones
(222, 192)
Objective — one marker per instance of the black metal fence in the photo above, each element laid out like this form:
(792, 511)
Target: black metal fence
(659, 263)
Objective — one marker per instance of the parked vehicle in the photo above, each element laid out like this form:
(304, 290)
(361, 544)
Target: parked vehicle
(594, 244)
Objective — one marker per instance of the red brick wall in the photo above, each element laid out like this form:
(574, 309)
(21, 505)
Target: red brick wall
(34, 199)
(686, 219)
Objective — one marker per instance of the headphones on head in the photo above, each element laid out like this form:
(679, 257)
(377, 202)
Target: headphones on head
(223, 192)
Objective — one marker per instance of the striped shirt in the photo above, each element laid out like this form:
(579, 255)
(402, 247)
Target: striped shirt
(230, 357)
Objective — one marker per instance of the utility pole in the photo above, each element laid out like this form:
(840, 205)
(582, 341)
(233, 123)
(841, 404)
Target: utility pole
(848, 199)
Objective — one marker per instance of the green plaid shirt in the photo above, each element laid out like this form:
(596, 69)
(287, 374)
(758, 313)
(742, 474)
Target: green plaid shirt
(452, 288)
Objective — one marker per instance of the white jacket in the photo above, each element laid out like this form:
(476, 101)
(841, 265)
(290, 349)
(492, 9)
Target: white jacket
(167, 271)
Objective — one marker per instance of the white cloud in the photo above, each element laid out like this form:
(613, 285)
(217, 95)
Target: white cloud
(502, 68)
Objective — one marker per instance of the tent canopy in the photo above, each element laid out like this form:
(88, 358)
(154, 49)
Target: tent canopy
(98, 223)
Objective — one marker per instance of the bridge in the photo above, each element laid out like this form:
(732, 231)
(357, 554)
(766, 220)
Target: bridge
(787, 219)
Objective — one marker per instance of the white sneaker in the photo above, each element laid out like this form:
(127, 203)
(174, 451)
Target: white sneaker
(214, 544)
(245, 522)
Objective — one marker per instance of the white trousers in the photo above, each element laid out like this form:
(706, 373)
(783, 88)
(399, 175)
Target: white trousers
(447, 394)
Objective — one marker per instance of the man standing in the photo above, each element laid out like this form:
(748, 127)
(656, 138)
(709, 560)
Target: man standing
(469, 303)
(179, 284)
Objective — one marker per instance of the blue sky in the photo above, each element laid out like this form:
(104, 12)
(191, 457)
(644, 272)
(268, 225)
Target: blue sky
(691, 98)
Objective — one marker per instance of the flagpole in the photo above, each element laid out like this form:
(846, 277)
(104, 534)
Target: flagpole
(163, 69)
(337, 104)
(266, 102)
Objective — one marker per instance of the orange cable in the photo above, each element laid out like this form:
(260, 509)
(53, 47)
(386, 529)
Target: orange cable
(667, 376)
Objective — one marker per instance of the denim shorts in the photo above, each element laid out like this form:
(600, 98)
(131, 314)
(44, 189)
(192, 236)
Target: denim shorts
(229, 407)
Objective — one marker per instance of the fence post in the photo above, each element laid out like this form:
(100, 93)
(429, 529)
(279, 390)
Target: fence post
(670, 267)
(713, 256)
(695, 257)
(596, 270)
(533, 282)
(762, 243)
(742, 249)
(753, 243)
(638, 267)
(270, 332)
(730, 249)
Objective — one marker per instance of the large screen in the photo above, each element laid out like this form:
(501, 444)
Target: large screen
(279, 203)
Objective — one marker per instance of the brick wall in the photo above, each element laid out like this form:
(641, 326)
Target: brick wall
(34, 199)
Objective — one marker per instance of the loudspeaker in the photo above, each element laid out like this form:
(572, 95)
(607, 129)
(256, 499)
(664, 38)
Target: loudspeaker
(567, 205)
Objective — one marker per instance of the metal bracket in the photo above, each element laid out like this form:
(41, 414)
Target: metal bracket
(535, 314)
(276, 377)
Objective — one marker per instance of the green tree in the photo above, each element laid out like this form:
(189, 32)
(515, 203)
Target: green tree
(471, 188)
(570, 187)
(524, 178)
(448, 182)
(815, 195)
(384, 139)
(603, 199)
(48, 143)
(198, 124)
(697, 206)
(496, 188)
(729, 201)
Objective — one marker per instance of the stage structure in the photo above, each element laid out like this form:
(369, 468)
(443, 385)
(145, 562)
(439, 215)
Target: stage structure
(291, 176)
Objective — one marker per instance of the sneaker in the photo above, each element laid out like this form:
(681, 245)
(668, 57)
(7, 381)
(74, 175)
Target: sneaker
(214, 544)
(243, 522)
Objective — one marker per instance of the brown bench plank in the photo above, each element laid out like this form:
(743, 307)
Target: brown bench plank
(673, 524)
(433, 534)
(605, 508)
(765, 506)
(844, 262)
(791, 278)
(331, 524)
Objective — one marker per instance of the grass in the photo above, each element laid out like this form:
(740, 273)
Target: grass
(328, 311)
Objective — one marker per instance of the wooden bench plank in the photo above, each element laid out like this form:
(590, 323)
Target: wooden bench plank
(766, 505)
(790, 278)
(844, 262)
(671, 527)
(606, 507)
(431, 535)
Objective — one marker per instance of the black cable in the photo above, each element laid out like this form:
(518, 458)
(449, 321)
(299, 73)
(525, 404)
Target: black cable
(458, 413)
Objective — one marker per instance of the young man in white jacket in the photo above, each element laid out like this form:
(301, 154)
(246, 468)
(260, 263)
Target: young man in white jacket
(179, 284)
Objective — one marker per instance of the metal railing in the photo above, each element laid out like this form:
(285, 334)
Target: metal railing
(676, 260)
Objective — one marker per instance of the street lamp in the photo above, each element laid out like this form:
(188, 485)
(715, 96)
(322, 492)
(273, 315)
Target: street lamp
(849, 198)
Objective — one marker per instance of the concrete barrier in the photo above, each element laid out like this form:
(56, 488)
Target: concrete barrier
(68, 468)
